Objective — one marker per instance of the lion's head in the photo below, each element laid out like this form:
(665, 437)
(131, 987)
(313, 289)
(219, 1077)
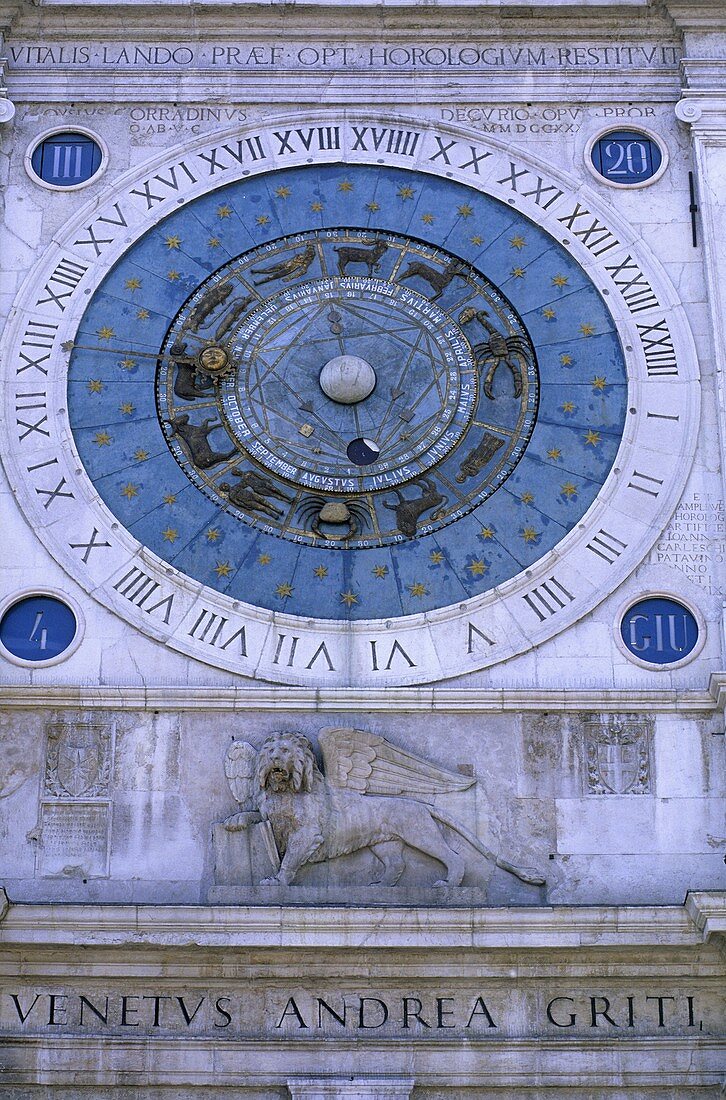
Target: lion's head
(286, 763)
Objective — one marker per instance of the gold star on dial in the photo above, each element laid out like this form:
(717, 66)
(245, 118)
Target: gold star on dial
(105, 333)
(126, 408)
(285, 590)
(213, 534)
(405, 192)
(223, 569)
(549, 313)
(173, 276)
(566, 360)
(559, 280)
(133, 283)
(599, 383)
(568, 406)
(345, 185)
(141, 455)
(587, 329)
(214, 242)
(592, 438)
(373, 206)
(95, 385)
(264, 559)
(527, 498)
(477, 568)
(518, 272)
(283, 192)
(555, 453)
(348, 598)
(102, 439)
(569, 490)
(170, 534)
(529, 534)
(436, 557)
(173, 241)
(487, 532)
(417, 589)
(142, 315)
(262, 219)
(517, 242)
(130, 491)
(224, 211)
(127, 364)
(380, 571)
(316, 206)
(465, 211)
(476, 239)
(427, 219)
(321, 571)
(169, 498)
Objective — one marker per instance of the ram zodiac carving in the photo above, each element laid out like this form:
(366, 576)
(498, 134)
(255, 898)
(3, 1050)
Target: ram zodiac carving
(370, 795)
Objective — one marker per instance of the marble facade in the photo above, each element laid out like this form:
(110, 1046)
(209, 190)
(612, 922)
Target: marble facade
(145, 798)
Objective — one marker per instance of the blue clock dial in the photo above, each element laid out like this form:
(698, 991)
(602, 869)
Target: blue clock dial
(38, 628)
(348, 392)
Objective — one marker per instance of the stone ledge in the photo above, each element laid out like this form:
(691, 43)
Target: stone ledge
(702, 915)
(447, 700)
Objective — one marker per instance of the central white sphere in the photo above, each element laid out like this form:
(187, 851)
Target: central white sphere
(347, 379)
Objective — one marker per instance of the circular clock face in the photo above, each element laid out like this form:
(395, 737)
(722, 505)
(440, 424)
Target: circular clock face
(352, 420)
(349, 404)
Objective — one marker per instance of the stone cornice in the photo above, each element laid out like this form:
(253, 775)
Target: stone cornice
(427, 699)
(395, 927)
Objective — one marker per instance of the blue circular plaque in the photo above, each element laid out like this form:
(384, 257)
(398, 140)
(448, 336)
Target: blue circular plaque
(38, 628)
(626, 157)
(67, 159)
(659, 630)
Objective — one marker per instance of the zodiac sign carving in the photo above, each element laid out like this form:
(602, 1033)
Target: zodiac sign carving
(194, 442)
(187, 383)
(352, 254)
(288, 270)
(251, 492)
(351, 514)
(478, 456)
(437, 280)
(211, 301)
(408, 511)
(496, 350)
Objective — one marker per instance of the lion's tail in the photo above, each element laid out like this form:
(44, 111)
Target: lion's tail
(525, 874)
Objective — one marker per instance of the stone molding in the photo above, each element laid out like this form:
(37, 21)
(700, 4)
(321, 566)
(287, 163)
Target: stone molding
(445, 700)
(702, 915)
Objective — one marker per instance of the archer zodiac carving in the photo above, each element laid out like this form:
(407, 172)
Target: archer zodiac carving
(437, 280)
(288, 270)
(369, 794)
(478, 456)
(357, 254)
(408, 511)
(252, 492)
(194, 441)
(496, 350)
(350, 515)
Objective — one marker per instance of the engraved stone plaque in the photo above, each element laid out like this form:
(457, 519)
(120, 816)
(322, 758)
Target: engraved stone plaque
(74, 839)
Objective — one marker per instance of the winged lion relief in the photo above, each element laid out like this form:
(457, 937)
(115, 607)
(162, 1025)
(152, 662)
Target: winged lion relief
(368, 795)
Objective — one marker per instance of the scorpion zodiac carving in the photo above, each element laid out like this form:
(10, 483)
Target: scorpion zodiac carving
(497, 350)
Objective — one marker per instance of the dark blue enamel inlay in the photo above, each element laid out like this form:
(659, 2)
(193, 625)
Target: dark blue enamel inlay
(38, 628)
(659, 630)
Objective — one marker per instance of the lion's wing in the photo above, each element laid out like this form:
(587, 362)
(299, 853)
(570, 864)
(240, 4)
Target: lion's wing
(364, 762)
(240, 767)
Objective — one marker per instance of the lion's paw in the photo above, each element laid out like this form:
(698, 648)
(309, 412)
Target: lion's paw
(274, 881)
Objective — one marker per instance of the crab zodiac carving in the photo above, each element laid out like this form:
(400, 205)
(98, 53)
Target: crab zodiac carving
(372, 795)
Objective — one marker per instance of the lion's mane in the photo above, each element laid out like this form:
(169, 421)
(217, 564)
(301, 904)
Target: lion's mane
(289, 757)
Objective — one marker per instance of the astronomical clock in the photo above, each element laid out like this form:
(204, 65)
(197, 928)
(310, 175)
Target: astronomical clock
(349, 404)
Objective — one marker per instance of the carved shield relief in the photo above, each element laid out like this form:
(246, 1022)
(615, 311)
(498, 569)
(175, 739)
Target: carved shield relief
(78, 761)
(618, 754)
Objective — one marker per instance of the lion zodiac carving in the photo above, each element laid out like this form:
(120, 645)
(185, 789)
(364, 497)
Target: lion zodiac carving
(370, 795)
